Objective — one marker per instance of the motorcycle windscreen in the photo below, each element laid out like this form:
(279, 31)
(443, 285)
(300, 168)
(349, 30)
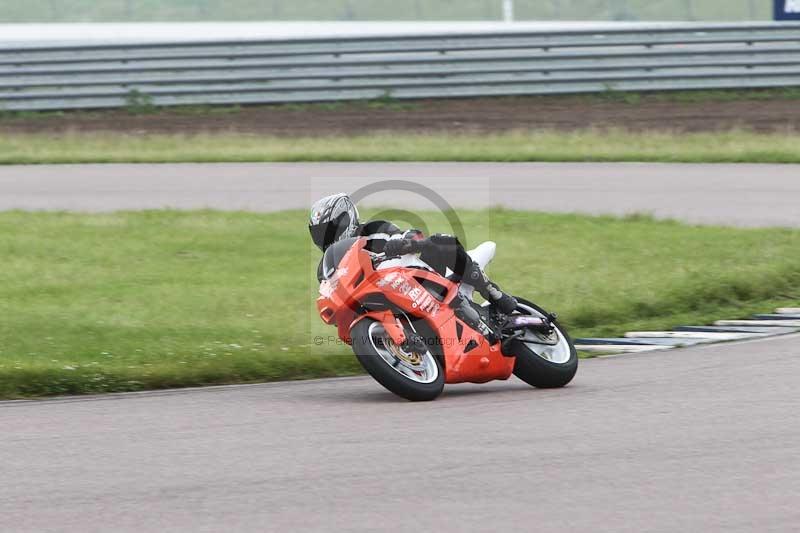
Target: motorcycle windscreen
(334, 255)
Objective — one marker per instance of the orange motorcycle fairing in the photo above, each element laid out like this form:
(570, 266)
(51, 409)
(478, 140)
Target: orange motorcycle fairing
(356, 291)
(390, 323)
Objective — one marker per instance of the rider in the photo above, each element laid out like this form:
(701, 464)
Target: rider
(335, 217)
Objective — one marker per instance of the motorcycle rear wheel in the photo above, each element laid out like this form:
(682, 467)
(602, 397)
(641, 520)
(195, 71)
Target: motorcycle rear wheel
(545, 368)
(413, 376)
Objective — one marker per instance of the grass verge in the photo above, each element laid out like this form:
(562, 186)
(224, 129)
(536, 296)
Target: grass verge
(137, 300)
(736, 146)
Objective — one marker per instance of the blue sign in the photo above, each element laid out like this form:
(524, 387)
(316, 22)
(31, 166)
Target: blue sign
(787, 9)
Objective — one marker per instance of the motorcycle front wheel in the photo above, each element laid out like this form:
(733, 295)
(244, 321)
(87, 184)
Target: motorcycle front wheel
(543, 362)
(413, 376)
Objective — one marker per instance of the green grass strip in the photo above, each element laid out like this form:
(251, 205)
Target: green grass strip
(737, 146)
(128, 301)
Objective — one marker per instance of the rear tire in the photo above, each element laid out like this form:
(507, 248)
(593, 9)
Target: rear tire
(538, 371)
(366, 336)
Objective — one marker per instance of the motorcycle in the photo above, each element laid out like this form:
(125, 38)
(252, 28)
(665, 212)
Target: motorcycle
(400, 318)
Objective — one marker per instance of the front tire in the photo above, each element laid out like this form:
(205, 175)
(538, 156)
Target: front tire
(537, 370)
(415, 377)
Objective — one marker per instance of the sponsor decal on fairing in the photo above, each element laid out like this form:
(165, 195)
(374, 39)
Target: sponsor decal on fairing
(421, 299)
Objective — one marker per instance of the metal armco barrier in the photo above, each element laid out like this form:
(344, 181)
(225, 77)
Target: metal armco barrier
(421, 66)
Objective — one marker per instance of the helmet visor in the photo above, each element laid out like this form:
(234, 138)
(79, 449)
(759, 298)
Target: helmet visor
(327, 233)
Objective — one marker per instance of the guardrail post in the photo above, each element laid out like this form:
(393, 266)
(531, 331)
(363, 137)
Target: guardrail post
(508, 10)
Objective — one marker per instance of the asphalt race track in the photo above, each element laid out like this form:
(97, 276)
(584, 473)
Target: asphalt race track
(700, 439)
(746, 195)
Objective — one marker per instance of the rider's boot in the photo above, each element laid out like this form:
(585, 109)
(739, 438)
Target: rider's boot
(462, 307)
(505, 303)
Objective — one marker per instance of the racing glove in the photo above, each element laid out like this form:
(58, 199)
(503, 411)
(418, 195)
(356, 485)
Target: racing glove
(396, 247)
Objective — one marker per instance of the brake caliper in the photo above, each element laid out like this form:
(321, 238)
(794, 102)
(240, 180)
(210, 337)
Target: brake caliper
(415, 343)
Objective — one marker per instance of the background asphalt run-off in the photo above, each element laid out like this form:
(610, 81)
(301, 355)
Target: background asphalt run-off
(740, 194)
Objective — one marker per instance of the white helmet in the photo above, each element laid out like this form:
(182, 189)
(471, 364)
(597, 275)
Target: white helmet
(333, 218)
